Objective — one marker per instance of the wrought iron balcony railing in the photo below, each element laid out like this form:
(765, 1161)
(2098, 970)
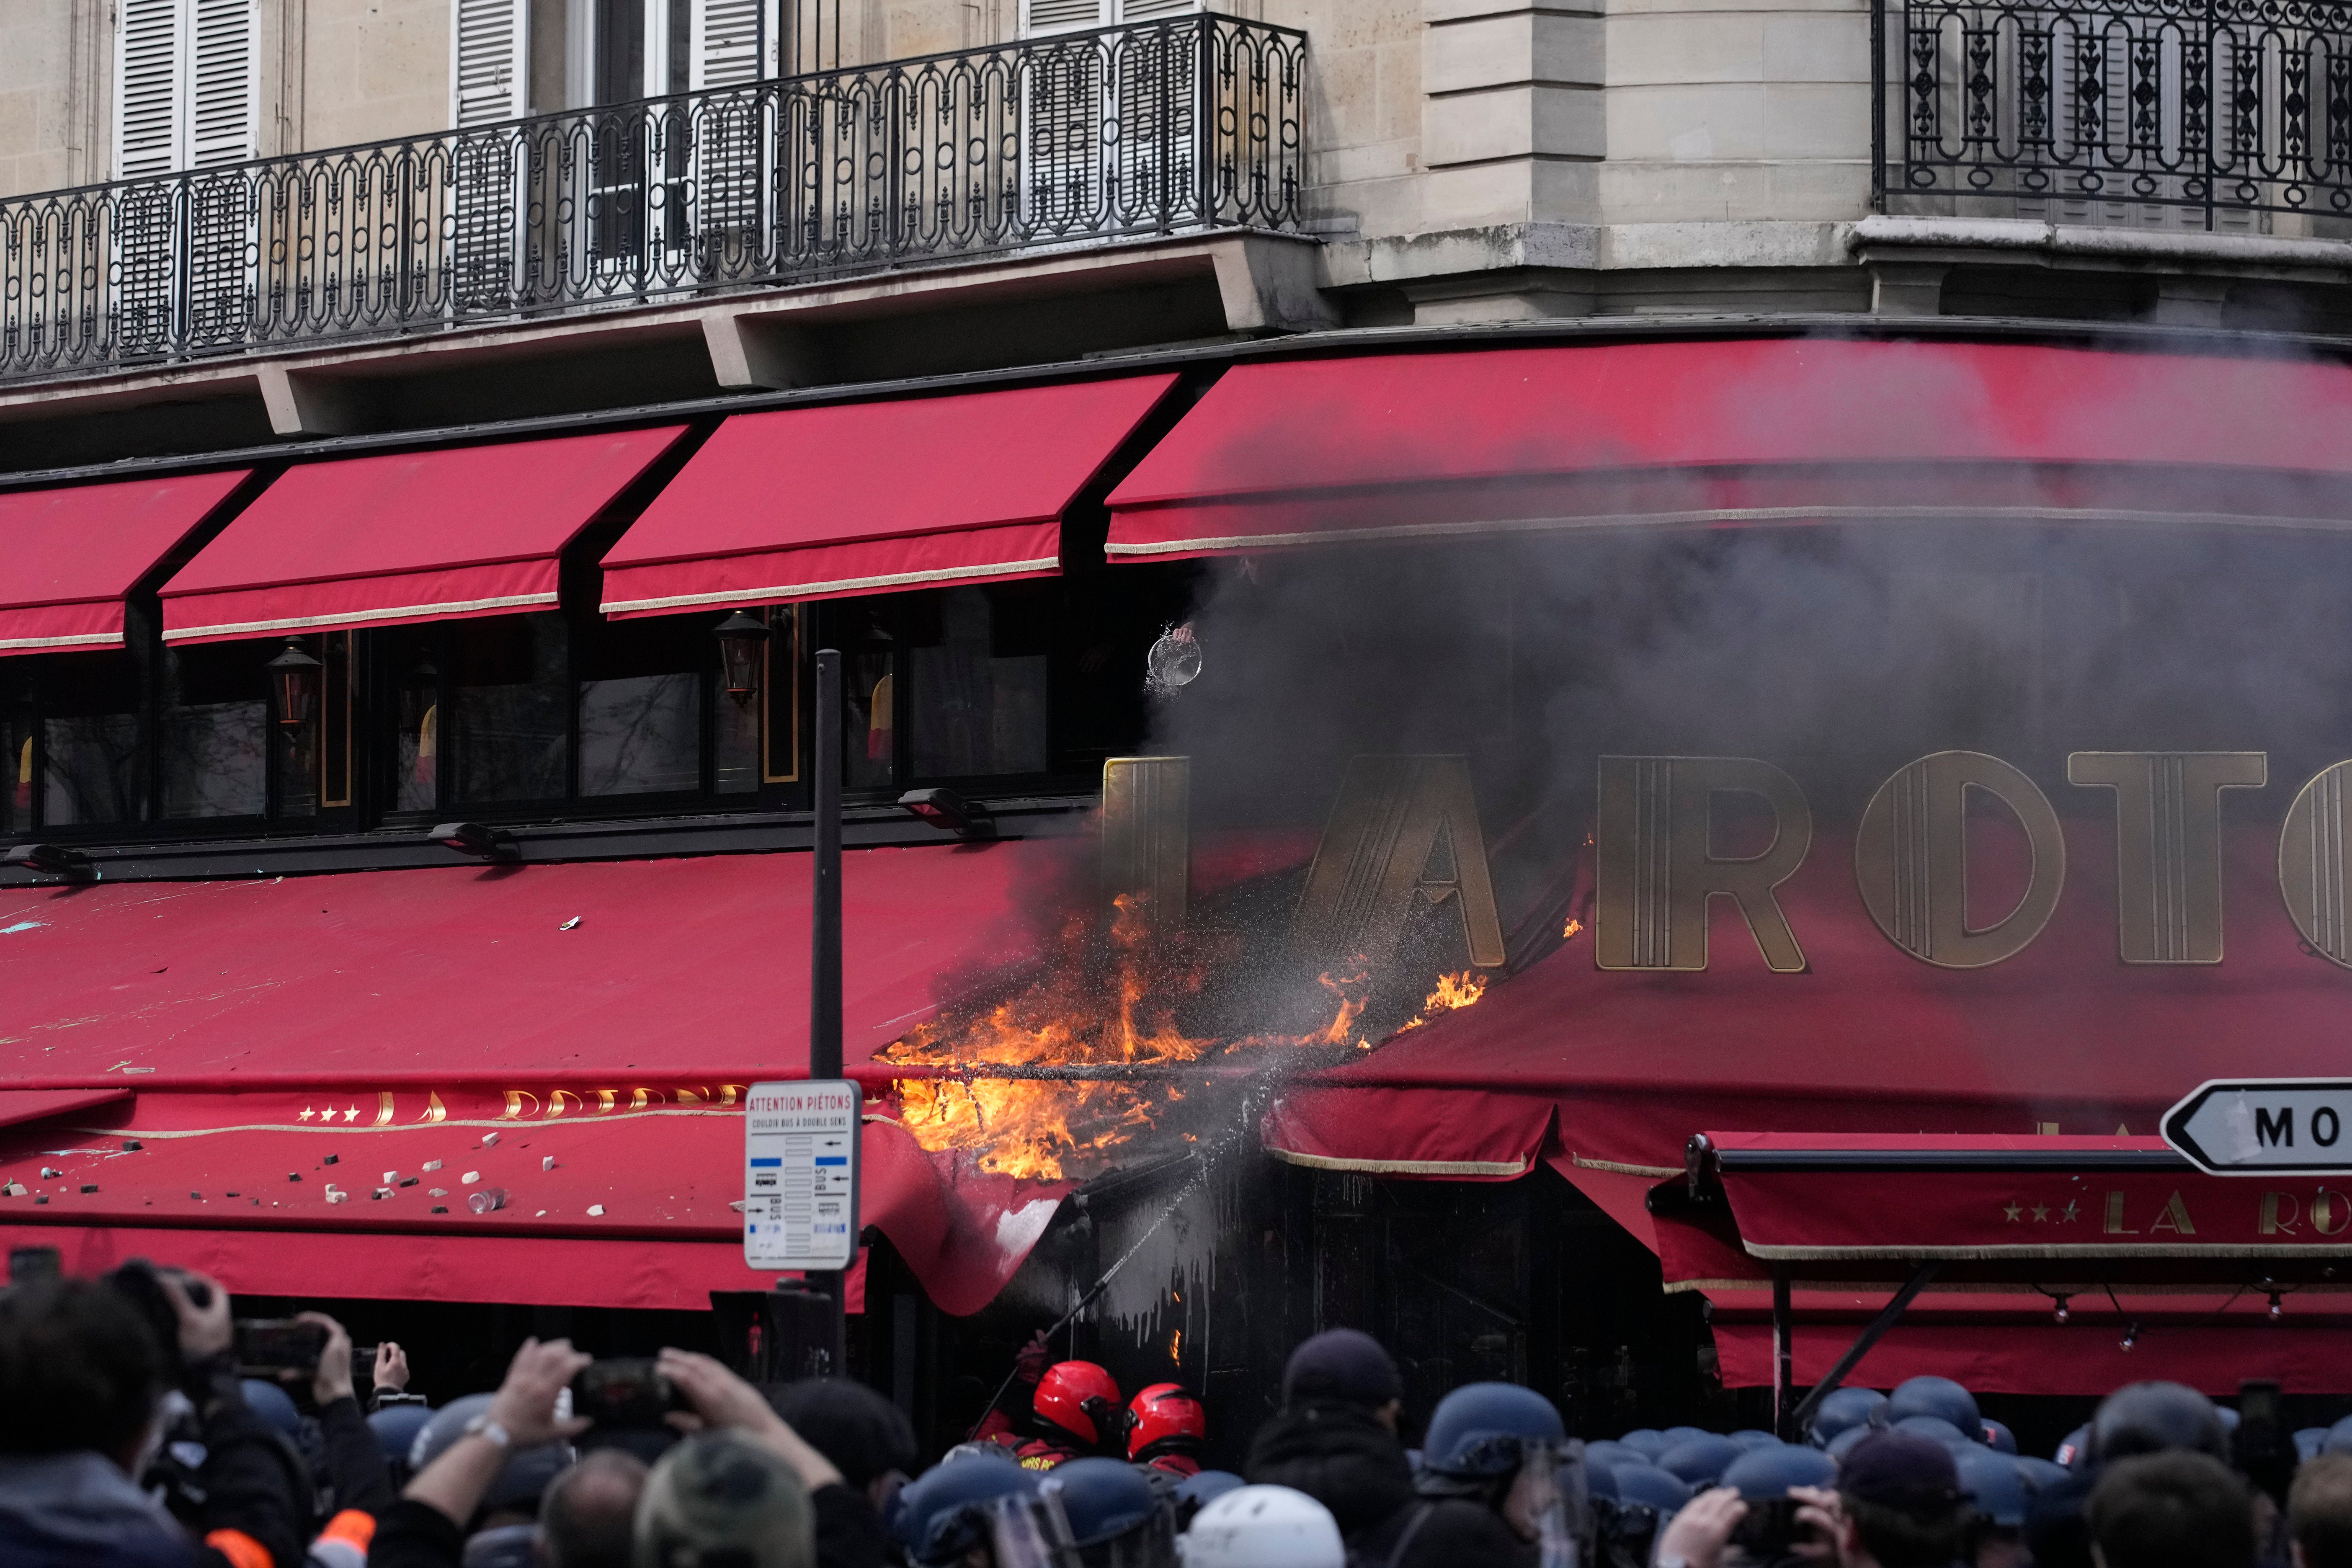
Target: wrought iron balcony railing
(2178, 113)
(1161, 127)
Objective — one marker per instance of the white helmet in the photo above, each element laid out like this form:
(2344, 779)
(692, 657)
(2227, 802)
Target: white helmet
(1262, 1527)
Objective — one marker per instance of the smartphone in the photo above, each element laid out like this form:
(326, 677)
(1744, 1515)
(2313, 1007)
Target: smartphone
(1770, 1527)
(278, 1344)
(624, 1392)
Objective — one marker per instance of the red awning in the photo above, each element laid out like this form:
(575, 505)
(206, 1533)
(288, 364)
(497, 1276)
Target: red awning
(1866, 1038)
(388, 1020)
(68, 557)
(2016, 1345)
(869, 498)
(1405, 446)
(413, 536)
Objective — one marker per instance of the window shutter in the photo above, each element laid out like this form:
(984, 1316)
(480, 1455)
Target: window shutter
(1063, 15)
(225, 83)
(1153, 10)
(729, 41)
(488, 42)
(147, 116)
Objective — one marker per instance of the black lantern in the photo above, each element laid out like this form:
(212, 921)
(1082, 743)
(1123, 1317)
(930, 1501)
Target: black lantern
(295, 675)
(741, 637)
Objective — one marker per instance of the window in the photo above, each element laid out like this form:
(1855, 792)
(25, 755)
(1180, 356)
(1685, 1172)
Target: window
(509, 721)
(979, 689)
(89, 755)
(16, 765)
(213, 730)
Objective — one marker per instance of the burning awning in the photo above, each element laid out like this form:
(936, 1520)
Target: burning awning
(68, 557)
(406, 537)
(873, 497)
(1407, 446)
(574, 1037)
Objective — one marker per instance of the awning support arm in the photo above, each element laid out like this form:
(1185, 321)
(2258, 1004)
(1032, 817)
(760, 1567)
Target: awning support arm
(1886, 1319)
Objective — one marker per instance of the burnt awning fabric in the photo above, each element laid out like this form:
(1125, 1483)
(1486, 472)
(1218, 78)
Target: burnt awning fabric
(1438, 445)
(406, 537)
(353, 1030)
(871, 498)
(68, 557)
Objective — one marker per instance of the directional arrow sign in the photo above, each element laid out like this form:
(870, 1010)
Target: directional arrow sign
(2251, 1126)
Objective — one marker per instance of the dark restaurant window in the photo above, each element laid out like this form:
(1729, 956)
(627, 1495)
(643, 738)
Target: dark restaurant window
(509, 727)
(213, 729)
(641, 702)
(980, 685)
(16, 758)
(92, 769)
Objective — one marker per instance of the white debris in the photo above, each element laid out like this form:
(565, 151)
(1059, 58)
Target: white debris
(567, 925)
(390, 1178)
(547, 1161)
(469, 1178)
(337, 1195)
(489, 1140)
(438, 1191)
(737, 1205)
(595, 1210)
(50, 1173)
(431, 1165)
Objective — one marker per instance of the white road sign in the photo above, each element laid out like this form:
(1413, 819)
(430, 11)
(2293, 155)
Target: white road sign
(2251, 1127)
(800, 1175)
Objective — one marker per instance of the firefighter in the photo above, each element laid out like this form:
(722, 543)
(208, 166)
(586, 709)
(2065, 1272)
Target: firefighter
(1166, 1429)
(1072, 1411)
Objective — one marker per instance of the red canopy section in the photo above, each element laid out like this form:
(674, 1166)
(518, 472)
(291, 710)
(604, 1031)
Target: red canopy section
(1624, 1066)
(413, 536)
(871, 497)
(68, 557)
(1402, 446)
(379, 1036)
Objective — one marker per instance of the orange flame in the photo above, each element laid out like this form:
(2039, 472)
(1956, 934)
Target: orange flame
(1568, 932)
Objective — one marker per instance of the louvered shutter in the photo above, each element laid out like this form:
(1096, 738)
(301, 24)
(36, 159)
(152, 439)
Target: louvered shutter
(488, 43)
(223, 82)
(729, 41)
(147, 113)
(1153, 10)
(1063, 15)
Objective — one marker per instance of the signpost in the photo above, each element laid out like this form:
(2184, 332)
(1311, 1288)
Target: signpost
(2264, 1126)
(800, 1175)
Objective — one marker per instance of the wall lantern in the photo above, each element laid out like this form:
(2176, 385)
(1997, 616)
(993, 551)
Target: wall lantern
(741, 637)
(294, 676)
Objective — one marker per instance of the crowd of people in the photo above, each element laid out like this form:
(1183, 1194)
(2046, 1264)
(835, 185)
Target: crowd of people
(129, 1438)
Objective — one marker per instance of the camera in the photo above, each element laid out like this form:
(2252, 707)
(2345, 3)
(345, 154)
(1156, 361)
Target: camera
(266, 1345)
(625, 1392)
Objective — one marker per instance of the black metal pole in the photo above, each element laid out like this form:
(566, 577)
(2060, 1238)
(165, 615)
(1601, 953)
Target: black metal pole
(1888, 1318)
(1784, 1359)
(825, 956)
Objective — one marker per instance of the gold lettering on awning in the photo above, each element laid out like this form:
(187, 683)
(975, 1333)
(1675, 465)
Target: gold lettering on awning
(1655, 870)
(2168, 845)
(1403, 835)
(2312, 851)
(1911, 859)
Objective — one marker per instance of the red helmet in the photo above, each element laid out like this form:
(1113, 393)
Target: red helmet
(1080, 1398)
(1165, 1419)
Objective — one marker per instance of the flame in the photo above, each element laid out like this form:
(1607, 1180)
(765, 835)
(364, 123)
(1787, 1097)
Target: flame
(1176, 1346)
(1568, 932)
(1106, 997)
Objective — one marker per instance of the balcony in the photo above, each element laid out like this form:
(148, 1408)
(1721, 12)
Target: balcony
(1181, 126)
(2229, 115)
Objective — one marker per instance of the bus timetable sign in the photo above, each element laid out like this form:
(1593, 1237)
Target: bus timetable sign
(800, 1175)
(2253, 1127)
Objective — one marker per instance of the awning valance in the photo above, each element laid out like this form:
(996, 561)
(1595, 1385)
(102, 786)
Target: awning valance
(406, 537)
(871, 497)
(1506, 441)
(438, 1024)
(68, 557)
